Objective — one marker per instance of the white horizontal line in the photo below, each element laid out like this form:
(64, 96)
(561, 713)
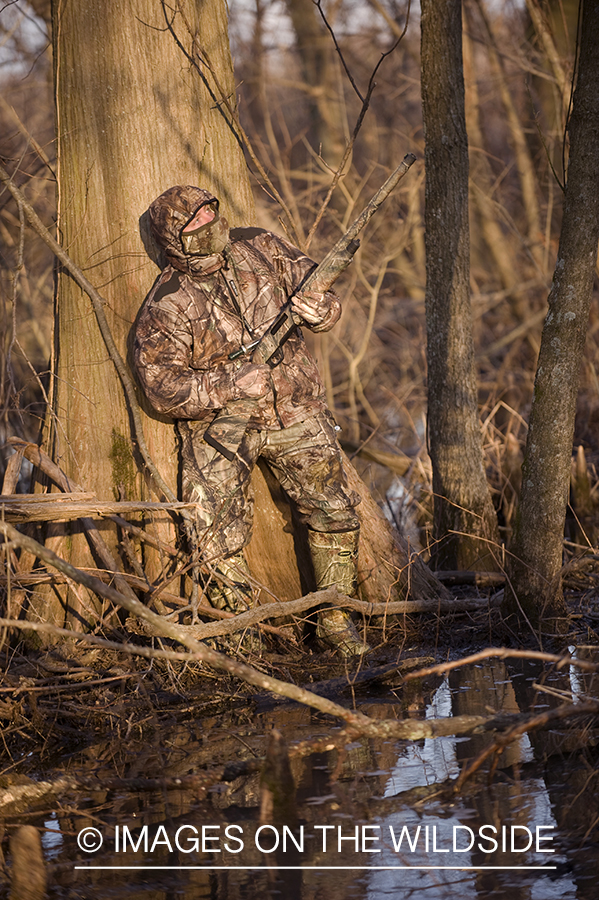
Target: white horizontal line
(301, 868)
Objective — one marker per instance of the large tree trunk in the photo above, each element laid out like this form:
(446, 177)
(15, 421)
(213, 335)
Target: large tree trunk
(463, 512)
(536, 558)
(134, 116)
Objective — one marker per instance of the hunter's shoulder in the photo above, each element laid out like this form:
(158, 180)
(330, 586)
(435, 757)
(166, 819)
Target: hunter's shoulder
(249, 234)
(167, 284)
(172, 288)
(267, 243)
(170, 303)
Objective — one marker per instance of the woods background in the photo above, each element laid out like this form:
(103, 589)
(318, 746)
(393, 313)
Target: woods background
(299, 92)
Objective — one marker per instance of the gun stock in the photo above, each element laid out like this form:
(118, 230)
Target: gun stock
(226, 431)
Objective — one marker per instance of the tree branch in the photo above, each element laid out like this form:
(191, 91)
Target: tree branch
(365, 104)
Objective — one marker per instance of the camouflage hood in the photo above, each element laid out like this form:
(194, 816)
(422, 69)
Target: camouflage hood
(169, 214)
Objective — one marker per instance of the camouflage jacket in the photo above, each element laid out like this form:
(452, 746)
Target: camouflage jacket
(194, 317)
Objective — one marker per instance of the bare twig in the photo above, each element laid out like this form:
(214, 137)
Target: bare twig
(26, 134)
(200, 56)
(365, 104)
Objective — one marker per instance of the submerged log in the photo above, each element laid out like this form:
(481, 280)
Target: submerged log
(277, 787)
(28, 873)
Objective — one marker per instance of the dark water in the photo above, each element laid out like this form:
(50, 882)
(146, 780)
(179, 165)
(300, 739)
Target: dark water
(373, 821)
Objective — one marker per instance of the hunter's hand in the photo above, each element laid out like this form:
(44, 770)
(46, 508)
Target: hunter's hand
(253, 381)
(319, 310)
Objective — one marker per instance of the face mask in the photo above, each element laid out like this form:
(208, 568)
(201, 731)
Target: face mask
(208, 238)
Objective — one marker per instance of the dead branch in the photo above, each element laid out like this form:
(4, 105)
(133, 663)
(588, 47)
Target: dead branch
(331, 597)
(27, 134)
(374, 675)
(504, 653)
(181, 634)
(408, 729)
(23, 508)
(42, 461)
(19, 797)
(241, 621)
(37, 456)
(541, 720)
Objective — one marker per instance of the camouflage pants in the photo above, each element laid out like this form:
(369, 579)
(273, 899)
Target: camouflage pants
(306, 461)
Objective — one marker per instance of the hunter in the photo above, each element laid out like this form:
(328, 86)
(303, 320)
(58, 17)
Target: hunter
(220, 289)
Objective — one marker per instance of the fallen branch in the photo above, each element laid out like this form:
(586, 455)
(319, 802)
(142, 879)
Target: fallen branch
(37, 456)
(358, 680)
(31, 509)
(181, 634)
(407, 729)
(19, 797)
(231, 622)
(504, 653)
(42, 461)
(10, 500)
(540, 720)
(332, 598)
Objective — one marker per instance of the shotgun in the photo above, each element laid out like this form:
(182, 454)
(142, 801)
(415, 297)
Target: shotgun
(227, 429)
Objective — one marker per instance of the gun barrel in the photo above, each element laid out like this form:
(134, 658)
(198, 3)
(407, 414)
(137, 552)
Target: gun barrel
(339, 257)
(226, 431)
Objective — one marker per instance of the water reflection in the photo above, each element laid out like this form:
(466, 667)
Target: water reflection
(449, 836)
(547, 781)
(429, 761)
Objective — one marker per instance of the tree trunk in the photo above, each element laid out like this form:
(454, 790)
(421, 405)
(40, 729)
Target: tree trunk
(135, 116)
(321, 76)
(463, 512)
(536, 558)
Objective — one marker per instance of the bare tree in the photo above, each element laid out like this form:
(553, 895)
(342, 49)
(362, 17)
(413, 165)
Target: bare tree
(536, 562)
(463, 511)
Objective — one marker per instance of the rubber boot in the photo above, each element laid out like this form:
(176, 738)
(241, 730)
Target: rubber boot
(335, 561)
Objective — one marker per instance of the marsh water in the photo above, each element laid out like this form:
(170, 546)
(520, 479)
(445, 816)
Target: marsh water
(374, 820)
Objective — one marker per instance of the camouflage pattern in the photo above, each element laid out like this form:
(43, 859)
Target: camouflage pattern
(169, 214)
(306, 461)
(202, 308)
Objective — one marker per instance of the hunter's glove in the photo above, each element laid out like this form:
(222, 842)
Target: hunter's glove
(318, 310)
